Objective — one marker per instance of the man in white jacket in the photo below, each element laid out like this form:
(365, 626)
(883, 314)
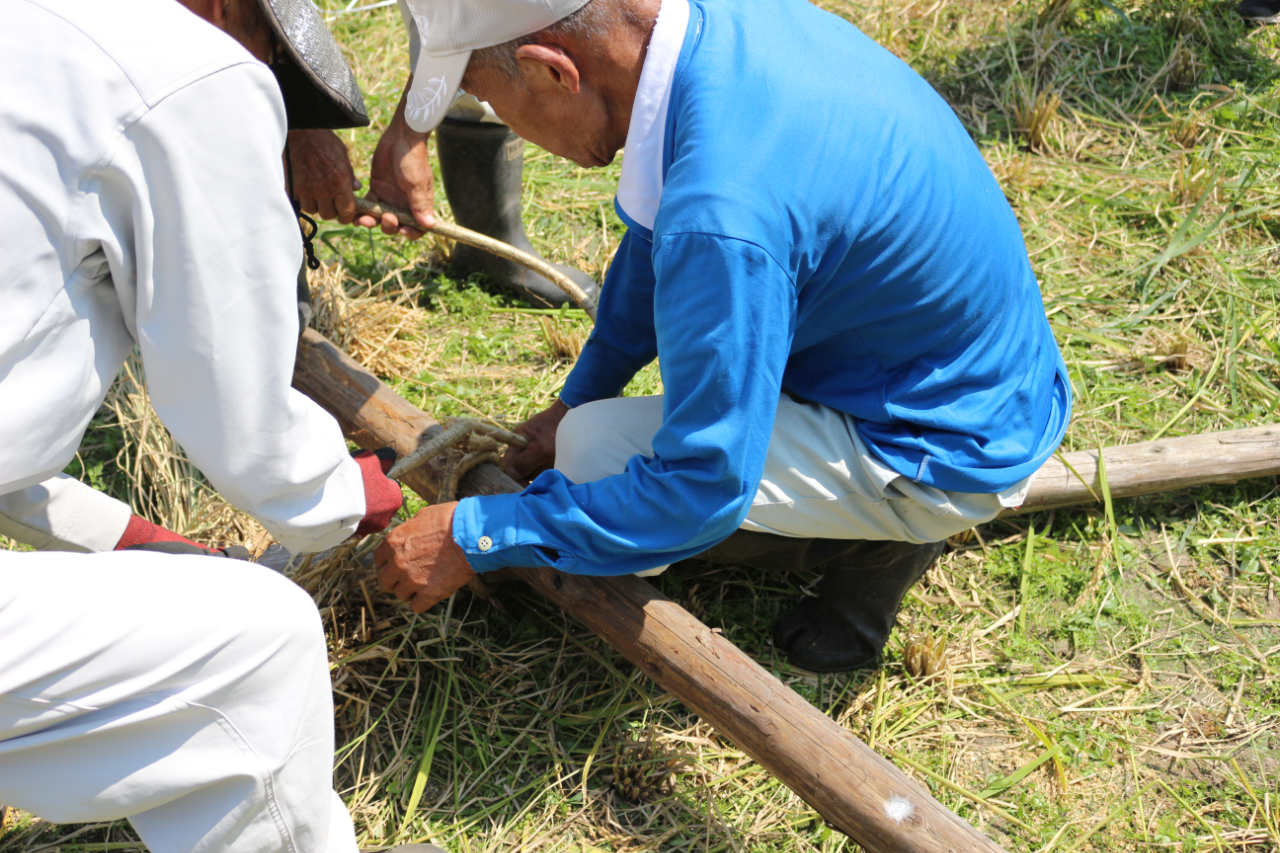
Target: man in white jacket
(143, 204)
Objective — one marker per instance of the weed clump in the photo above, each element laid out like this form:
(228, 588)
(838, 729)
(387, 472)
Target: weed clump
(925, 657)
(644, 770)
(1035, 116)
(565, 342)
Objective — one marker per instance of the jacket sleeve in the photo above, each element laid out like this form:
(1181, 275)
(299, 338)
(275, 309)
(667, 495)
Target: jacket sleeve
(63, 514)
(723, 314)
(623, 340)
(217, 255)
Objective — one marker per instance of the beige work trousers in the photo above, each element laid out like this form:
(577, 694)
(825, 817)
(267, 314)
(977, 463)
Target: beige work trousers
(820, 479)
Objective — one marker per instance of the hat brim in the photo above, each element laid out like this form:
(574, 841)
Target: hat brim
(319, 88)
(435, 87)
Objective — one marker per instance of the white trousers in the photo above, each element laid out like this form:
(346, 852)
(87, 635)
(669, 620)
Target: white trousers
(820, 480)
(188, 694)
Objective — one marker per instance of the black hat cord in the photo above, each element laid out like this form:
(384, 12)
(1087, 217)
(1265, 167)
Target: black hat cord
(304, 221)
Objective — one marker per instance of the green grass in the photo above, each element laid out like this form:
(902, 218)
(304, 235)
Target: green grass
(1132, 701)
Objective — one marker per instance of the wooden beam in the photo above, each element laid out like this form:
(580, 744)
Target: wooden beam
(1156, 466)
(854, 789)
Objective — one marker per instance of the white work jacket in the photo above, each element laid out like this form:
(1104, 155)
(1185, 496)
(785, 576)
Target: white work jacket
(142, 203)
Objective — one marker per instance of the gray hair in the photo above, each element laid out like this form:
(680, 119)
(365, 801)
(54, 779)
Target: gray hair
(596, 20)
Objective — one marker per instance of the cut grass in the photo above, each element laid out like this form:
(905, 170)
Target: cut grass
(1127, 703)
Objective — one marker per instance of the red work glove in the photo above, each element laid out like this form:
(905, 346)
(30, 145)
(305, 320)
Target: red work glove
(142, 535)
(382, 497)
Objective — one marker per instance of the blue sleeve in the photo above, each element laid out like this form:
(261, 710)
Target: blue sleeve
(623, 340)
(724, 320)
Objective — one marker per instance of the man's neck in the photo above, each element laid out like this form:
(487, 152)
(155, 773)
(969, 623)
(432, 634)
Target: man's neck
(622, 61)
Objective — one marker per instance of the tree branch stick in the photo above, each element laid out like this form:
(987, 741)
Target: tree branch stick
(457, 233)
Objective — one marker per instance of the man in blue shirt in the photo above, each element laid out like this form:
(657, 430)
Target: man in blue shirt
(853, 347)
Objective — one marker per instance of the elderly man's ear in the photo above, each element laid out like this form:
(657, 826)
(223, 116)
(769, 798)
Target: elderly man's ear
(551, 64)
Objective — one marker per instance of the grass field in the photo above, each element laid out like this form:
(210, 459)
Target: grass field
(1109, 680)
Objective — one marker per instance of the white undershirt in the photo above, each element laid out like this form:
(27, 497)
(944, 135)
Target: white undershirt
(640, 186)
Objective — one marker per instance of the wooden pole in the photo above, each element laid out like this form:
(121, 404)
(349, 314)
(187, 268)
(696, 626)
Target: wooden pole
(854, 789)
(1156, 466)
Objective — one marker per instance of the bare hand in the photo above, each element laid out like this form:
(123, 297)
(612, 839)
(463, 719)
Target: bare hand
(420, 562)
(523, 464)
(323, 180)
(400, 176)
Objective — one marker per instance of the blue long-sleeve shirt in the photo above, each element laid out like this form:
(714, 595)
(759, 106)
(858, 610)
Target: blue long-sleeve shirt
(824, 224)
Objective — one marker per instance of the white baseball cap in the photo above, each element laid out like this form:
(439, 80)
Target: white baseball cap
(449, 30)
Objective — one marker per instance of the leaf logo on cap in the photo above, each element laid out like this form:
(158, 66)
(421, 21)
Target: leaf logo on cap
(425, 100)
(423, 26)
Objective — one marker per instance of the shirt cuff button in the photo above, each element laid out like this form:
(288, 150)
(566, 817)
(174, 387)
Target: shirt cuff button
(485, 543)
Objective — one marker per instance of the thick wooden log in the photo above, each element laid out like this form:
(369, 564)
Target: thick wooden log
(854, 789)
(1157, 466)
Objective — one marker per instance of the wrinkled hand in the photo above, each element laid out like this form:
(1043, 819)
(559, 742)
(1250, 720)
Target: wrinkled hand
(525, 463)
(400, 176)
(420, 562)
(323, 180)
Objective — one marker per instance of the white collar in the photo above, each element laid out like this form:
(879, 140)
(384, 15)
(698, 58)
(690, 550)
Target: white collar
(640, 186)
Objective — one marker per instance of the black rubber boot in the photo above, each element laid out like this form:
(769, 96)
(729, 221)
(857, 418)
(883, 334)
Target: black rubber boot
(1260, 11)
(769, 552)
(481, 164)
(847, 625)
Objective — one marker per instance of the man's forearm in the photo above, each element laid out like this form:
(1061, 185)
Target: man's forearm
(601, 372)
(624, 339)
(63, 514)
(217, 313)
